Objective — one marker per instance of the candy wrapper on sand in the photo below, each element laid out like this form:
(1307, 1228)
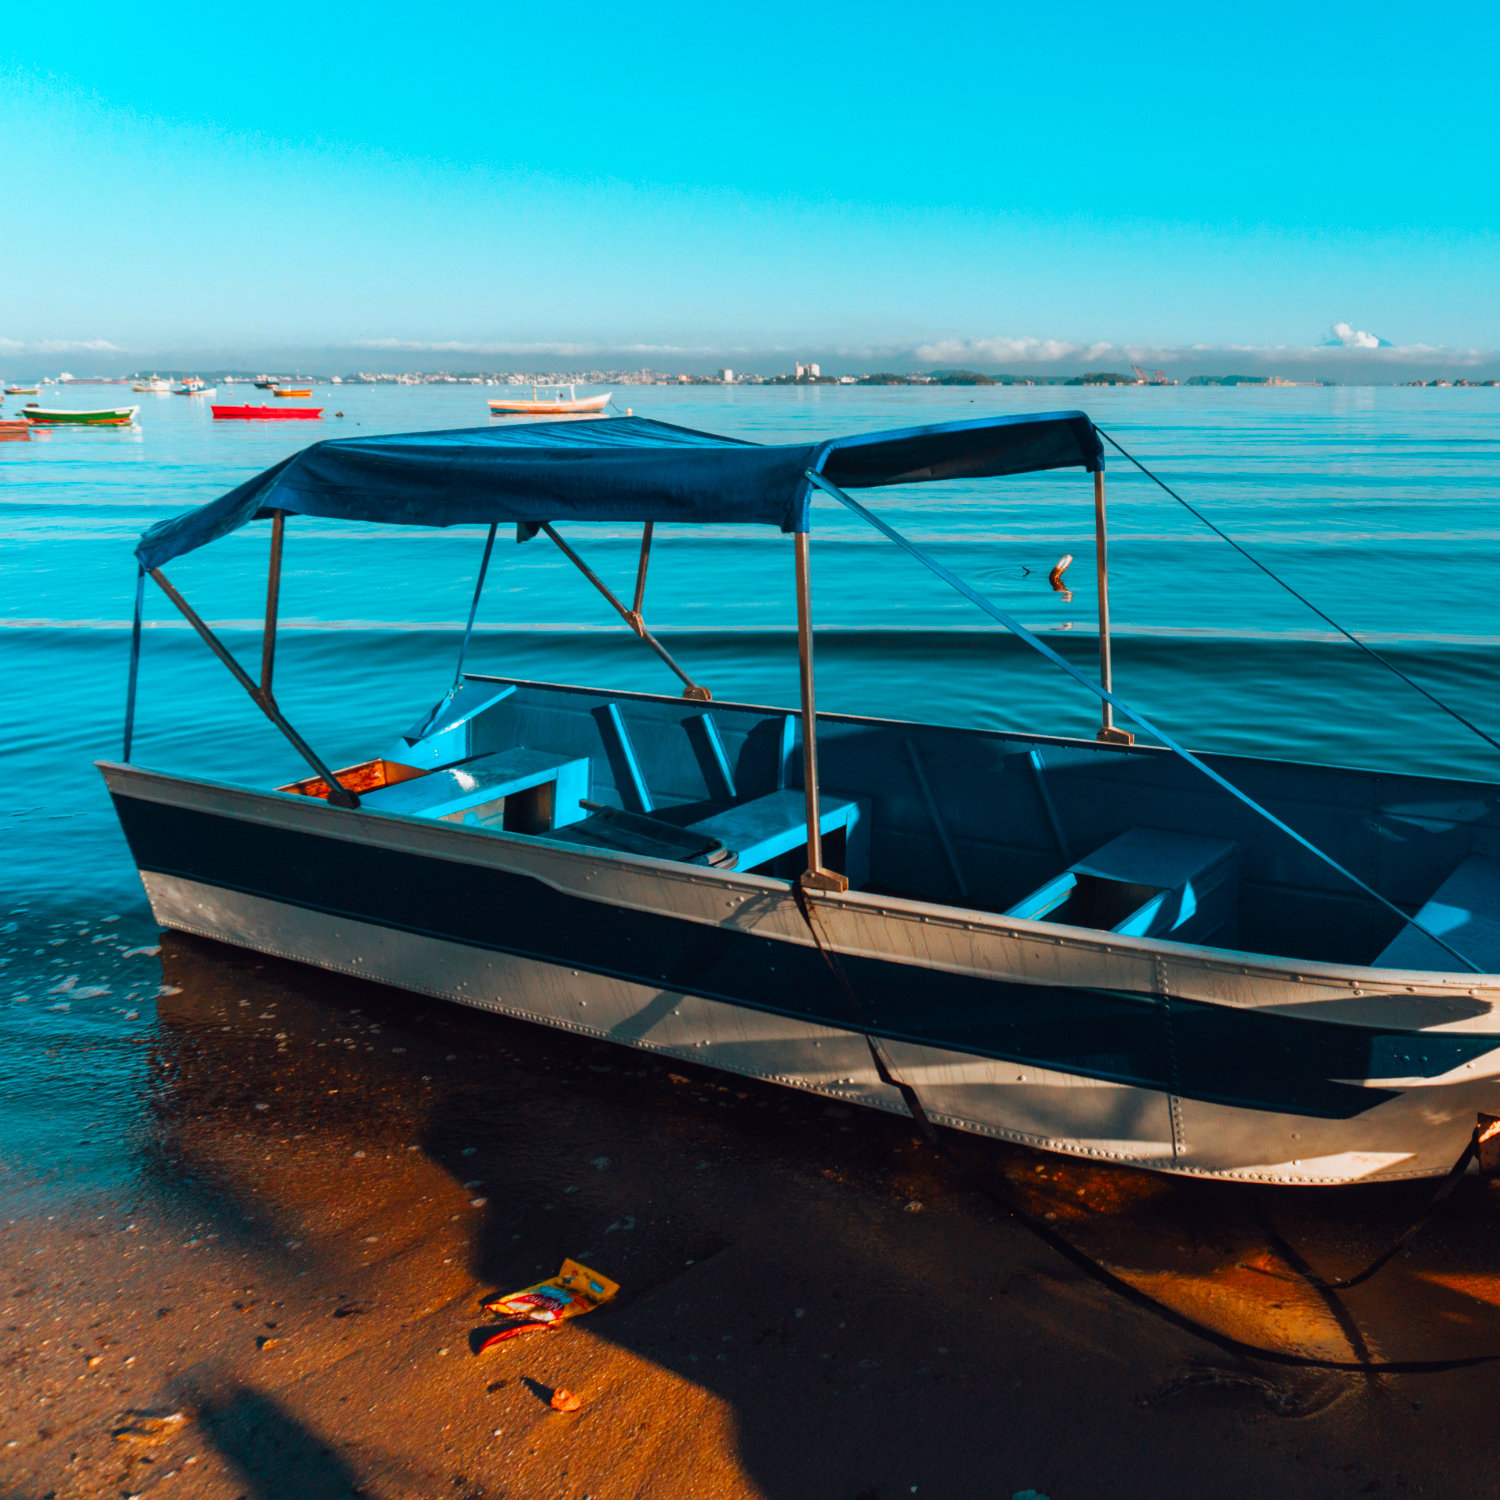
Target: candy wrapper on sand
(573, 1291)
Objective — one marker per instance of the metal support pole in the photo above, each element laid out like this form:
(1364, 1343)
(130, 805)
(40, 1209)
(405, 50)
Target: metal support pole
(632, 618)
(635, 617)
(135, 660)
(338, 794)
(1107, 730)
(815, 875)
(273, 602)
(484, 567)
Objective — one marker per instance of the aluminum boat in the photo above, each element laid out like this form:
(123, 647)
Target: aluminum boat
(1204, 964)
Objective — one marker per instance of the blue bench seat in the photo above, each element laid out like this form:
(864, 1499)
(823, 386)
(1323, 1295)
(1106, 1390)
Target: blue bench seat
(476, 790)
(764, 827)
(1463, 911)
(1148, 882)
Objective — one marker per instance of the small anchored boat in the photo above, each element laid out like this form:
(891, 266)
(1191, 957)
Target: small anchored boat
(291, 390)
(109, 416)
(156, 385)
(15, 432)
(1212, 965)
(264, 413)
(20, 390)
(555, 404)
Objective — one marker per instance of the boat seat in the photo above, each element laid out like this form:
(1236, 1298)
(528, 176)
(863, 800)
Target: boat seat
(759, 830)
(1463, 911)
(1148, 882)
(521, 789)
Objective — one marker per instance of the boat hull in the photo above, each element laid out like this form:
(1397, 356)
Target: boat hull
(120, 416)
(1159, 1056)
(265, 413)
(548, 408)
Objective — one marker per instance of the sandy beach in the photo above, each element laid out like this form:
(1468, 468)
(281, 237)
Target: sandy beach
(814, 1303)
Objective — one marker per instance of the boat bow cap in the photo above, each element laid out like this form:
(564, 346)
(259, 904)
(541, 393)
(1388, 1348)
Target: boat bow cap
(618, 469)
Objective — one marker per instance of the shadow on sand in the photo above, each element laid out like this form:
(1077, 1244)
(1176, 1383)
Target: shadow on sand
(873, 1325)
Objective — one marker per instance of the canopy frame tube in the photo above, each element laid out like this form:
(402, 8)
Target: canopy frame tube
(338, 794)
(135, 660)
(815, 876)
(635, 617)
(1109, 733)
(273, 603)
(632, 617)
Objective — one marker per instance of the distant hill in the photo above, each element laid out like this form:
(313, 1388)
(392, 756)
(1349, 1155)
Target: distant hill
(963, 377)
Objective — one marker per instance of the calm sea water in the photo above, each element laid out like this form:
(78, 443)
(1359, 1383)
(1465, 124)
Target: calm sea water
(1383, 504)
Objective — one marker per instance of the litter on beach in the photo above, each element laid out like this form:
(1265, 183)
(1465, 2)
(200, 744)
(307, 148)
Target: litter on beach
(574, 1291)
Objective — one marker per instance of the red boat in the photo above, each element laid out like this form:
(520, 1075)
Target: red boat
(265, 413)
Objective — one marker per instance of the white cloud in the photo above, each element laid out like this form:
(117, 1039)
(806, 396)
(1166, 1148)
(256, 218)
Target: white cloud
(1345, 336)
(574, 351)
(1349, 345)
(999, 351)
(58, 346)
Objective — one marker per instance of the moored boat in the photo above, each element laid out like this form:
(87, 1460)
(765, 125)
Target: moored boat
(20, 390)
(196, 390)
(291, 390)
(264, 413)
(109, 416)
(1122, 951)
(15, 432)
(554, 405)
(156, 385)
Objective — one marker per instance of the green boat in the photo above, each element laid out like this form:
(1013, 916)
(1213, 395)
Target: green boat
(109, 416)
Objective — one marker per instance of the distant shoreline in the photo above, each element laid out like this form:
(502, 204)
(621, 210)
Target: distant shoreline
(648, 377)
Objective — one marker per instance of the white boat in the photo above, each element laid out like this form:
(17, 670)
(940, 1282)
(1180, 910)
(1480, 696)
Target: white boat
(1127, 952)
(156, 384)
(555, 404)
(196, 390)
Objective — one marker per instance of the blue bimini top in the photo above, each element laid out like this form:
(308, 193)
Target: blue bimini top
(617, 469)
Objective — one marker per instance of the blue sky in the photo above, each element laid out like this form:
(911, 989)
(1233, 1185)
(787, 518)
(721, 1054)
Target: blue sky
(989, 184)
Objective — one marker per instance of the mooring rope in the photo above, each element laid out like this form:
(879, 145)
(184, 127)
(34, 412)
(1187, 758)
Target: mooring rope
(1301, 598)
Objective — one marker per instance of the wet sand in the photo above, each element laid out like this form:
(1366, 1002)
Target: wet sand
(814, 1304)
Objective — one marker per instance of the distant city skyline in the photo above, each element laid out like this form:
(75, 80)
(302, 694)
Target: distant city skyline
(1340, 363)
(1305, 189)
